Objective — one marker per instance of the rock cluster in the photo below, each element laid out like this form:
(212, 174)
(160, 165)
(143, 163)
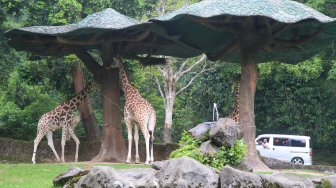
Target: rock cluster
(223, 132)
(182, 173)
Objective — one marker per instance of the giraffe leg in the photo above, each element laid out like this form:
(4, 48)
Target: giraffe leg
(72, 133)
(151, 140)
(136, 140)
(146, 135)
(51, 144)
(37, 140)
(64, 135)
(130, 138)
(151, 126)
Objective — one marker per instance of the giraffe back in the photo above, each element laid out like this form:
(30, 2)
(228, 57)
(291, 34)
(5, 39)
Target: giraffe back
(62, 114)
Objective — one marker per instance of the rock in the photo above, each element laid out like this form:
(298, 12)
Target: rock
(201, 131)
(63, 178)
(289, 181)
(208, 149)
(105, 176)
(330, 179)
(230, 177)
(185, 172)
(225, 132)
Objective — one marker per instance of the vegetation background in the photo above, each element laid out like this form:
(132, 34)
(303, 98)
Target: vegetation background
(290, 99)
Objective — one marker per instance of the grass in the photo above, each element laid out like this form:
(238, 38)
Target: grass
(42, 175)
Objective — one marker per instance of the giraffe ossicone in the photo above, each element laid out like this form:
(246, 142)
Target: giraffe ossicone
(139, 111)
(61, 118)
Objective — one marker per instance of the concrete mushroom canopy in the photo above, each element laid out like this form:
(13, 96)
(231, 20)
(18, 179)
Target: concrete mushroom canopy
(287, 31)
(105, 27)
(251, 32)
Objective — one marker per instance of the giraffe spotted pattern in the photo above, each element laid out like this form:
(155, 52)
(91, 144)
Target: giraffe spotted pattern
(235, 113)
(60, 118)
(139, 111)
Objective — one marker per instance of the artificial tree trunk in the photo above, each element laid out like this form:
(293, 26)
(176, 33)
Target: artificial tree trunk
(248, 63)
(112, 148)
(88, 118)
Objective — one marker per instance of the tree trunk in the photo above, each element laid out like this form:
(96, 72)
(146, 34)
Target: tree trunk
(112, 148)
(168, 120)
(170, 94)
(89, 122)
(246, 99)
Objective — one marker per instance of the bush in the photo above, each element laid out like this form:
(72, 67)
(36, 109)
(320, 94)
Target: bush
(225, 156)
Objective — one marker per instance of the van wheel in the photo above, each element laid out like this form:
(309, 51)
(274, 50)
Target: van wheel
(297, 160)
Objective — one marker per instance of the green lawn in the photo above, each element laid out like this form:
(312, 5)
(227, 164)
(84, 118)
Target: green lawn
(41, 175)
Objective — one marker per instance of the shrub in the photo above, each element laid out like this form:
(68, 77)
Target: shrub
(225, 156)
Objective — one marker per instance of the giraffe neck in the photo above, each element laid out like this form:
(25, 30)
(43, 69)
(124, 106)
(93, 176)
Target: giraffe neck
(78, 98)
(126, 84)
(235, 114)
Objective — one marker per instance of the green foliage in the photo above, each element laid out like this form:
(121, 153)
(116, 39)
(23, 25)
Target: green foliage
(225, 156)
(325, 184)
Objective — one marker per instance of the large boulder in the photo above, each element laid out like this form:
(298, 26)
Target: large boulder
(72, 174)
(230, 177)
(201, 131)
(105, 176)
(207, 148)
(185, 172)
(225, 132)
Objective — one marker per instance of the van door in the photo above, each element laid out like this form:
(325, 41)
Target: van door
(281, 149)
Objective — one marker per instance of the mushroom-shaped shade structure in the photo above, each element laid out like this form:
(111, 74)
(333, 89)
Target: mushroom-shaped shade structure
(116, 36)
(96, 30)
(251, 30)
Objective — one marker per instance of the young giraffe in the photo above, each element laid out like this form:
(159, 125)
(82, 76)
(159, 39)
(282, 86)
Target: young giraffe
(235, 113)
(138, 110)
(60, 117)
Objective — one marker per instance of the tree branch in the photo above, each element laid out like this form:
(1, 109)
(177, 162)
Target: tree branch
(179, 74)
(160, 89)
(192, 80)
(228, 49)
(88, 60)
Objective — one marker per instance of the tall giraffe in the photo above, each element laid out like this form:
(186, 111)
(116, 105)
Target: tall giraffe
(235, 113)
(138, 110)
(60, 117)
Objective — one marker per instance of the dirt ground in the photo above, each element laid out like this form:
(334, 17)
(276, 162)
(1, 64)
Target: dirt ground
(14, 151)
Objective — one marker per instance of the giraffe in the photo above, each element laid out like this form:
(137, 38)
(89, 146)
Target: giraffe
(138, 110)
(235, 113)
(60, 117)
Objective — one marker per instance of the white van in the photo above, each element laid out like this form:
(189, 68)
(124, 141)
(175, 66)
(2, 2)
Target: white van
(289, 148)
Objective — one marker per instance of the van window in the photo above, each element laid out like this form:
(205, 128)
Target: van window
(281, 142)
(295, 142)
(260, 140)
